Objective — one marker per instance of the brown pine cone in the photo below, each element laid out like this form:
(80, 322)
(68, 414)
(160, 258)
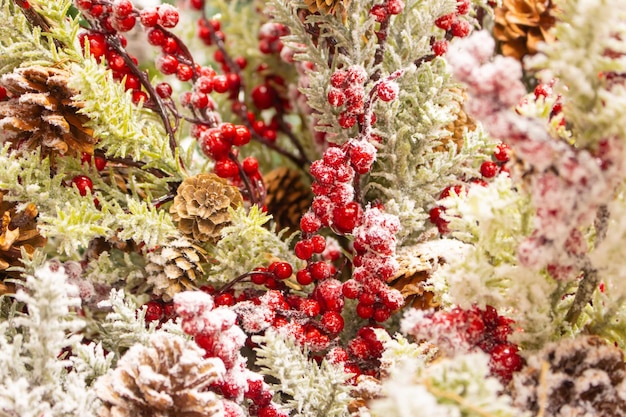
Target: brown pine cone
(573, 378)
(18, 230)
(168, 378)
(175, 267)
(521, 24)
(201, 206)
(288, 197)
(41, 112)
(327, 6)
(411, 278)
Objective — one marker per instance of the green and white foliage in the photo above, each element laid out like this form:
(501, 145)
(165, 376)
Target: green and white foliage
(492, 221)
(34, 380)
(451, 387)
(125, 324)
(308, 389)
(580, 60)
(246, 244)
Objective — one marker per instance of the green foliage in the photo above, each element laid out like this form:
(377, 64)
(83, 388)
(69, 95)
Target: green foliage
(122, 129)
(247, 244)
(311, 390)
(34, 380)
(20, 44)
(459, 386)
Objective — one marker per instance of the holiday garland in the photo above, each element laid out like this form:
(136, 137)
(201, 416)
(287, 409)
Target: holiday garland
(312, 208)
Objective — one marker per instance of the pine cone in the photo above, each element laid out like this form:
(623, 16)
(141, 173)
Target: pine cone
(411, 278)
(175, 267)
(42, 114)
(458, 126)
(168, 378)
(573, 378)
(288, 197)
(201, 206)
(521, 24)
(18, 230)
(327, 6)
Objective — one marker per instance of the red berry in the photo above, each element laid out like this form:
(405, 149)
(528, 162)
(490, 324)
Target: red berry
(100, 162)
(220, 84)
(364, 311)
(332, 321)
(156, 37)
(184, 72)
(338, 79)
(379, 12)
(149, 17)
(97, 44)
(395, 6)
(83, 184)
(542, 90)
(460, 28)
(154, 311)
(164, 90)
(505, 361)
(3, 93)
(387, 90)
(282, 270)
(139, 96)
(224, 299)
(319, 243)
(445, 22)
(319, 270)
(440, 47)
(304, 277)
(345, 218)
(263, 97)
(122, 8)
(126, 24)
(169, 15)
(489, 169)
(242, 135)
(304, 249)
(169, 45)
(462, 6)
(381, 314)
(226, 168)
(502, 152)
(310, 307)
(336, 97)
(167, 64)
(351, 289)
(346, 120)
(259, 279)
(197, 4)
(250, 165)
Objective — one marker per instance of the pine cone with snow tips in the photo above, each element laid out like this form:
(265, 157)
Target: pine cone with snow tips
(42, 114)
(573, 378)
(168, 378)
(175, 267)
(288, 197)
(201, 206)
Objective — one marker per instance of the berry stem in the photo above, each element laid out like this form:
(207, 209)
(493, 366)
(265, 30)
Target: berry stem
(380, 49)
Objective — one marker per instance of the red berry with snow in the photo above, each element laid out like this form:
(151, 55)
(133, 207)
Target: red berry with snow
(489, 169)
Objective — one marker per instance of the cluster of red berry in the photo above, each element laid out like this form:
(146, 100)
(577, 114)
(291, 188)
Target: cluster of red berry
(214, 329)
(453, 25)
(347, 89)
(462, 331)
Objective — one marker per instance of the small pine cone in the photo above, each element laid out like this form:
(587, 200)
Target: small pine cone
(201, 206)
(462, 122)
(168, 378)
(521, 24)
(367, 388)
(411, 278)
(175, 267)
(41, 112)
(288, 197)
(325, 7)
(573, 378)
(18, 230)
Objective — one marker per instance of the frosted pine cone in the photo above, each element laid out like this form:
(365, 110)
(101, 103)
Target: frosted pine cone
(414, 269)
(166, 379)
(573, 378)
(173, 268)
(201, 206)
(288, 197)
(42, 114)
(327, 6)
(18, 230)
(521, 24)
